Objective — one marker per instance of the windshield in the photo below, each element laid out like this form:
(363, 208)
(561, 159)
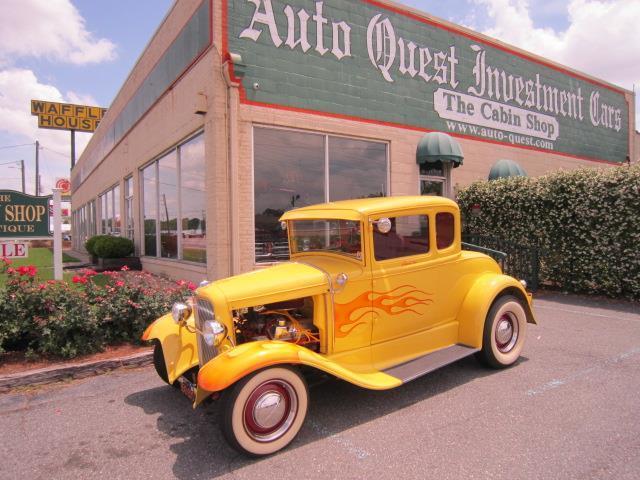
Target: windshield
(327, 235)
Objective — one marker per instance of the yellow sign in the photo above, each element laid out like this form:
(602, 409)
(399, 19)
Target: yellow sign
(67, 116)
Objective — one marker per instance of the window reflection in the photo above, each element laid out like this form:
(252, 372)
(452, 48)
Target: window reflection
(194, 247)
(289, 173)
(163, 199)
(168, 197)
(357, 169)
(149, 209)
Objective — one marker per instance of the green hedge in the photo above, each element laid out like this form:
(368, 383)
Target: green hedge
(89, 245)
(112, 247)
(586, 223)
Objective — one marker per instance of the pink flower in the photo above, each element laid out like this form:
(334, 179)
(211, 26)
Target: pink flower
(77, 279)
(42, 286)
(181, 283)
(90, 273)
(6, 261)
(119, 283)
(124, 268)
(11, 270)
(191, 286)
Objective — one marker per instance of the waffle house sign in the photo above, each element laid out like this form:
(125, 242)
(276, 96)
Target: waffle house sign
(23, 215)
(67, 116)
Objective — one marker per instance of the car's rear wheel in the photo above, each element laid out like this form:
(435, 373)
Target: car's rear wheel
(504, 332)
(263, 412)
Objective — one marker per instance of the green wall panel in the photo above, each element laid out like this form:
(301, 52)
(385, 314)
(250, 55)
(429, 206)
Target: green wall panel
(467, 87)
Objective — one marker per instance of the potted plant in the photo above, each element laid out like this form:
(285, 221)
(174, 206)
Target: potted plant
(89, 247)
(114, 253)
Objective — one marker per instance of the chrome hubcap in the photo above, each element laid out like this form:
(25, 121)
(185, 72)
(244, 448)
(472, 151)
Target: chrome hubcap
(506, 334)
(269, 410)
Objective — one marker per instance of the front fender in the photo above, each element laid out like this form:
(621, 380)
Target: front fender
(232, 365)
(178, 345)
(476, 304)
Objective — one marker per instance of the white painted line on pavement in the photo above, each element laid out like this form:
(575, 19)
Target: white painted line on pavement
(581, 312)
(340, 440)
(555, 383)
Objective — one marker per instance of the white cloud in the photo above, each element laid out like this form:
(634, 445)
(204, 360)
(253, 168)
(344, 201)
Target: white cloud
(52, 29)
(603, 37)
(17, 88)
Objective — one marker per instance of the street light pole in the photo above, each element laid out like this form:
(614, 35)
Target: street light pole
(22, 170)
(37, 168)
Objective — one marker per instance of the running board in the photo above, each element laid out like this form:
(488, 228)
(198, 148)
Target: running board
(428, 363)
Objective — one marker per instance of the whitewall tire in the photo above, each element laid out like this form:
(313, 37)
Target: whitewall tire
(504, 332)
(264, 412)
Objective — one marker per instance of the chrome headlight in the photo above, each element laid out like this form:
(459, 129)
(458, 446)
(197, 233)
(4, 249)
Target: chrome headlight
(180, 312)
(213, 333)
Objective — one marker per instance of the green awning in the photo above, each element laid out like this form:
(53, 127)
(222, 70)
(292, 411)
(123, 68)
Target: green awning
(506, 168)
(438, 147)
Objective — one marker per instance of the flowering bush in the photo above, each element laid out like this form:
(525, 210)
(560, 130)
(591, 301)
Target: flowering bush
(58, 319)
(586, 223)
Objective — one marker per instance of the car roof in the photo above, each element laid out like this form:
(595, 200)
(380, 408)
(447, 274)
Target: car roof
(356, 209)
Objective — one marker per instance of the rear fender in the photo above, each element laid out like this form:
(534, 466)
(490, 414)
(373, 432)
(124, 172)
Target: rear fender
(178, 345)
(479, 299)
(232, 365)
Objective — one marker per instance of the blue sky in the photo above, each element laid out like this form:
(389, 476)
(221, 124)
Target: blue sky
(81, 51)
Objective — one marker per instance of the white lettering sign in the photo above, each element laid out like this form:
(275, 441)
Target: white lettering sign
(479, 111)
(498, 98)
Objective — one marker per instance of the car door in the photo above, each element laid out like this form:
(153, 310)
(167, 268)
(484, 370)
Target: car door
(411, 283)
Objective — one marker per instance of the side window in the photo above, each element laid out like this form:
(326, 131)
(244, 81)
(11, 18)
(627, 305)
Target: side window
(409, 235)
(445, 228)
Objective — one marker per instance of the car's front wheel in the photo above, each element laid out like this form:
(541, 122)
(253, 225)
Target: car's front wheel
(263, 412)
(504, 332)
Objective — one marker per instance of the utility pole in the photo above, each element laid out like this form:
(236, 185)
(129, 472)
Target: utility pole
(37, 168)
(22, 170)
(73, 149)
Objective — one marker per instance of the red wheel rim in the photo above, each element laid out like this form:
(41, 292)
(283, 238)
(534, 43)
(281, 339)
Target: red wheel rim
(506, 332)
(270, 410)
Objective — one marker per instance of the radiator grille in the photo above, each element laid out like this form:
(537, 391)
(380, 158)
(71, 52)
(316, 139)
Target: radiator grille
(204, 312)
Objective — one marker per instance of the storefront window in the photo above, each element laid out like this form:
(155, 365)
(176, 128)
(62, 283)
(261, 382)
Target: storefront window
(128, 207)
(168, 197)
(357, 169)
(289, 173)
(434, 179)
(110, 204)
(116, 223)
(294, 169)
(194, 245)
(150, 208)
(173, 188)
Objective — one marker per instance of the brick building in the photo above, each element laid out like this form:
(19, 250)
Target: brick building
(238, 110)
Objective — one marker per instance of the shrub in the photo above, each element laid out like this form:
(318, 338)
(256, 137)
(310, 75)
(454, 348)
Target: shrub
(89, 245)
(55, 319)
(113, 247)
(585, 222)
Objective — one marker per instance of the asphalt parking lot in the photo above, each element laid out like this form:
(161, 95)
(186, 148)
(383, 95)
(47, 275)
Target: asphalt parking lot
(569, 409)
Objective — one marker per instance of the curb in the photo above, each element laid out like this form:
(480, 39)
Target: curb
(46, 375)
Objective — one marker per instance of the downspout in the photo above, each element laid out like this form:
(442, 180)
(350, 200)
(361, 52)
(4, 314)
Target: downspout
(232, 106)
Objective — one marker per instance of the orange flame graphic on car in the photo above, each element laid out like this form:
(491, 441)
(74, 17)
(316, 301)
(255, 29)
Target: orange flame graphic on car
(403, 299)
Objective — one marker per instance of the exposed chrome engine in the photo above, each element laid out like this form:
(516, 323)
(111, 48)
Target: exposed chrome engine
(290, 321)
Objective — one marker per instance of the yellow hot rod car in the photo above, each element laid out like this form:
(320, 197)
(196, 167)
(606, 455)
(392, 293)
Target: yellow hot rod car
(377, 292)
